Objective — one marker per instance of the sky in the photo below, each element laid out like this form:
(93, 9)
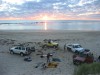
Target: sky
(49, 9)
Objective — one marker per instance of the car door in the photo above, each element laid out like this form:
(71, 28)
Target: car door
(23, 50)
(73, 48)
(16, 50)
(19, 50)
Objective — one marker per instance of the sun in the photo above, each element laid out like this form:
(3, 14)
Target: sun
(45, 17)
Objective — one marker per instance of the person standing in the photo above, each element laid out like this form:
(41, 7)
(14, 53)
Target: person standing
(48, 57)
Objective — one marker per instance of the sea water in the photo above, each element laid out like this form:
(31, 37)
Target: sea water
(50, 25)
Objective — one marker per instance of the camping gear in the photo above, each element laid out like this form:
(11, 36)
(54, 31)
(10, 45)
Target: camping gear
(56, 60)
(52, 65)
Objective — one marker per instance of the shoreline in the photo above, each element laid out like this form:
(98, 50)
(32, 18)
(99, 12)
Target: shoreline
(49, 31)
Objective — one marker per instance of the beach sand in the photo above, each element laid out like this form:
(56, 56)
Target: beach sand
(15, 64)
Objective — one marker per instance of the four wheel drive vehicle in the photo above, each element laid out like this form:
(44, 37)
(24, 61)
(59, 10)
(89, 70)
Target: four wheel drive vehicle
(84, 57)
(75, 48)
(50, 43)
(20, 50)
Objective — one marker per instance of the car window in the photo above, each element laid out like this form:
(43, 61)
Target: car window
(19, 48)
(77, 46)
(73, 46)
(16, 48)
(23, 48)
(49, 41)
(69, 45)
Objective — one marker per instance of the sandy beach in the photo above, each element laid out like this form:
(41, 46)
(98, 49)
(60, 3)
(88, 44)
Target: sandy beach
(15, 64)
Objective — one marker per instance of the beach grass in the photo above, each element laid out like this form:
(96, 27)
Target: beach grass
(88, 69)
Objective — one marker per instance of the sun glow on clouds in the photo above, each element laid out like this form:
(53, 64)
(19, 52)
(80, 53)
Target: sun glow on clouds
(12, 18)
(45, 17)
(89, 13)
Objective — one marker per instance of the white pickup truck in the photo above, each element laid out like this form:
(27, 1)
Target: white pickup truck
(75, 48)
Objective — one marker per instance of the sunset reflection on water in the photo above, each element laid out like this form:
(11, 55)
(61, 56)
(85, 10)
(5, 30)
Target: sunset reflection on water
(45, 25)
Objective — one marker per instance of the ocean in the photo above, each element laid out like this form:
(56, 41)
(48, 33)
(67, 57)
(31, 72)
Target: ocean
(92, 25)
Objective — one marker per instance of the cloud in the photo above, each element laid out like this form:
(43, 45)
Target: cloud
(59, 5)
(28, 8)
(13, 1)
(19, 2)
(82, 3)
(3, 7)
(7, 7)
